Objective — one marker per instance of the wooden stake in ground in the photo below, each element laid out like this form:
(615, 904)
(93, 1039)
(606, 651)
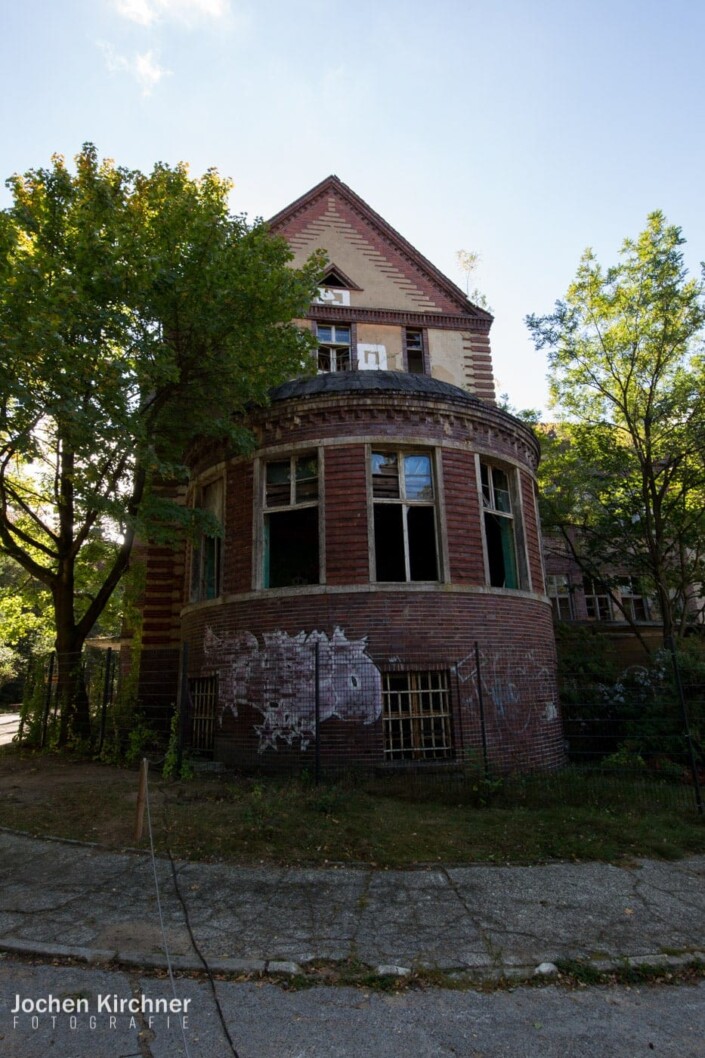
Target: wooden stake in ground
(141, 799)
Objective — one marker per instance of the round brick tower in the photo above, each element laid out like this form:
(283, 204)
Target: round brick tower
(377, 597)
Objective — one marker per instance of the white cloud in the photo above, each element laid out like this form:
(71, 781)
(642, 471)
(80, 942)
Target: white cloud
(148, 71)
(143, 67)
(140, 11)
(147, 12)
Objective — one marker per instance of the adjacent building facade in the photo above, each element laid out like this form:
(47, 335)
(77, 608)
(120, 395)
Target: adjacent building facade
(378, 596)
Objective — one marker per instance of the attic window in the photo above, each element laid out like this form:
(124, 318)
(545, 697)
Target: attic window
(333, 279)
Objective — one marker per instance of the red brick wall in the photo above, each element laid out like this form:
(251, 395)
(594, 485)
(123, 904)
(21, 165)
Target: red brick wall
(417, 630)
(347, 555)
(463, 518)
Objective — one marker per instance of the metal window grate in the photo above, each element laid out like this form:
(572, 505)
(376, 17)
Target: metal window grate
(204, 698)
(416, 714)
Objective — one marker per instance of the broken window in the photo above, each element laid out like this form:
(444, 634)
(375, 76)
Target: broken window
(558, 591)
(636, 605)
(291, 544)
(206, 553)
(416, 716)
(598, 601)
(333, 347)
(499, 527)
(414, 351)
(404, 514)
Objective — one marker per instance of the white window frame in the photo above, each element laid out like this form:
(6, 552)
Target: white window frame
(406, 503)
(334, 348)
(265, 510)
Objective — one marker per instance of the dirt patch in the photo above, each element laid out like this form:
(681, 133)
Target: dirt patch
(67, 798)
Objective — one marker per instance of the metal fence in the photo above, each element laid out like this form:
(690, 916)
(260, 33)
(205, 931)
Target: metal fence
(489, 725)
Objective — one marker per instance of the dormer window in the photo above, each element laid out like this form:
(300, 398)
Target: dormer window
(334, 279)
(335, 288)
(334, 343)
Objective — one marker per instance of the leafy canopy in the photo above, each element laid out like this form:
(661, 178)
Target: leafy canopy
(624, 470)
(136, 314)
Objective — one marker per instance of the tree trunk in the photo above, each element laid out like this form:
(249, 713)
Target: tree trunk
(72, 696)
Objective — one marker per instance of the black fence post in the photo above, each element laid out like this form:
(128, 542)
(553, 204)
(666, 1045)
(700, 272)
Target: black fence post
(317, 712)
(481, 703)
(686, 725)
(107, 695)
(47, 703)
(182, 709)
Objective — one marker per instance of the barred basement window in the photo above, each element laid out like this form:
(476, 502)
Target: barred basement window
(499, 527)
(416, 716)
(291, 544)
(203, 691)
(207, 550)
(333, 347)
(404, 517)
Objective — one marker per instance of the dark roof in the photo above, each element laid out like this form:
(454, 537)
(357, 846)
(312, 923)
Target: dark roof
(371, 382)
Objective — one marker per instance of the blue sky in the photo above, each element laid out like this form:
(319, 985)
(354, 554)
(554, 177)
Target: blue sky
(525, 131)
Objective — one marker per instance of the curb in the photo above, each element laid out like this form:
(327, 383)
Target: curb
(281, 968)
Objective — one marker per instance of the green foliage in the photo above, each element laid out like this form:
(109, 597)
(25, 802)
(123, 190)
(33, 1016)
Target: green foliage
(623, 476)
(172, 769)
(136, 314)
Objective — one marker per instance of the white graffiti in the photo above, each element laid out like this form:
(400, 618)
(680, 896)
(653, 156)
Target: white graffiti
(278, 679)
(519, 687)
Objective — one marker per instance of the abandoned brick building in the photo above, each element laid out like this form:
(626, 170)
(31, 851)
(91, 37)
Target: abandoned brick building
(378, 595)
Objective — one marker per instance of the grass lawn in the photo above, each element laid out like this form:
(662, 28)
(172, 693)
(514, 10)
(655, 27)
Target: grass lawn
(387, 823)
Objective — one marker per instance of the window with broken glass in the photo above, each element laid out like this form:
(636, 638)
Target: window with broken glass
(404, 514)
(416, 716)
(291, 538)
(598, 601)
(637, 606)
(334, 344)
(207, 549)
(558, 591)
(500, 540)
(414, 351)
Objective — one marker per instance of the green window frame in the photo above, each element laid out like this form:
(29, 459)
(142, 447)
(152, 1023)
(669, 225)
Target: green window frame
(499, 524)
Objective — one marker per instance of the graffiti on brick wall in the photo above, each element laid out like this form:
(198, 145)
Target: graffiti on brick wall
(517, 688)
(276, 677)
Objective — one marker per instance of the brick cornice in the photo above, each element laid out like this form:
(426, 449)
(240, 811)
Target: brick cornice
(483, 423)
(396, 318)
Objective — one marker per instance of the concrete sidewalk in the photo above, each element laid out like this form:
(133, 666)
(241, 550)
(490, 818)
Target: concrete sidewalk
(64, 899)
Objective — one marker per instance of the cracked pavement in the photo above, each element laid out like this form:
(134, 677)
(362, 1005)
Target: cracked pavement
(60, 898)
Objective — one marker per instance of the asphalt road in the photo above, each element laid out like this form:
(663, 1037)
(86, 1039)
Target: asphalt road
(266, 1021)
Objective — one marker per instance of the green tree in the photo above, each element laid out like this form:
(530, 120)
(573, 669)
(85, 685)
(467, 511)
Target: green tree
(624, 473)
(136, 314)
